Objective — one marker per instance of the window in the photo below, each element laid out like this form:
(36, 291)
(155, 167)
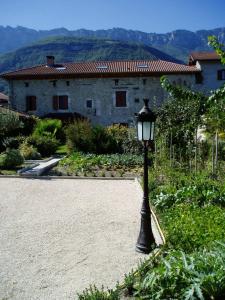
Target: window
(60, 102)
(121, 100)
(116, 81)
(144, 81)
(221, 74)
(53, 82)
(136, 100)
(121, 124)
(67, 83)
(89, 104)
(26, 84)
(30, 103)
(198, 78)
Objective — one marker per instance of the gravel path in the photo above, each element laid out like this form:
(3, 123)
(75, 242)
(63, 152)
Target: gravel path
(58, 236)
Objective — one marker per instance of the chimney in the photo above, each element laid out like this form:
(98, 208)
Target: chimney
(50, 62)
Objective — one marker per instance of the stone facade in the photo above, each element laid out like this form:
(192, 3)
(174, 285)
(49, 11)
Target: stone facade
(209, 75)
(102, 92)
(90, 89)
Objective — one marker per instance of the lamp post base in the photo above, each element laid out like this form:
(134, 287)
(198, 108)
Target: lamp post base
(146, 240)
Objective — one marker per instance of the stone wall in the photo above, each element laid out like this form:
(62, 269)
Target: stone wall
(209, 73)
(100, 90)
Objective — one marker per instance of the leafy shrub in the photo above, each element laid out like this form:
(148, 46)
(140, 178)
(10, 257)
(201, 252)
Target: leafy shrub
(12, 142)
(46, 145)
(189, 227)
(93, 293)
(11, 158)
(47, 127)
(200, 193)
(29, 125)
(29, 151)
(185, 276)
(131, 145)
(221, 150)
(10, 125)
(102, 141)
(9, 122)
(119, 134)
(79, 136)
(125, 139)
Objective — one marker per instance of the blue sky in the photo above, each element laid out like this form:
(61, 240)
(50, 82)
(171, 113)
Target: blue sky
(146, 15)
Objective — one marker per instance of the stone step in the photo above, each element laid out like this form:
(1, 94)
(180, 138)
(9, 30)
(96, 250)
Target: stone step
(39, 168)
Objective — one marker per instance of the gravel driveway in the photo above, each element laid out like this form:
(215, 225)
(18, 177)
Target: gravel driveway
(58, 236)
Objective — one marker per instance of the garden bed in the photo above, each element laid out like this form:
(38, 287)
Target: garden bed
(91, 165)
(191, 265)
(14, 170)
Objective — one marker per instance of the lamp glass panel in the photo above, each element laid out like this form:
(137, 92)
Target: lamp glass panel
(139, 129)
(152, 131)
(146, 131)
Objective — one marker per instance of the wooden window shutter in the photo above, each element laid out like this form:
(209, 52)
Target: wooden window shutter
(27, 103)
(33, 103)
(30, 103)
(219, 75)
(121, 99)
(55, 102)
(63, 102)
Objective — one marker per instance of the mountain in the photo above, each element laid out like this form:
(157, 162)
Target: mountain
(178, 43)
(69, 49)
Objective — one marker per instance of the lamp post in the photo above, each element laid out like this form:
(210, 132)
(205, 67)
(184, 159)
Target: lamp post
(145, 130)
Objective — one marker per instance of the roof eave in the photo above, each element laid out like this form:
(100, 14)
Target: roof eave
(95, 75)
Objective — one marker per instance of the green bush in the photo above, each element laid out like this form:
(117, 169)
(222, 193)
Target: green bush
(79, 136)
(46, 145)
(93, 293)
(10, 125)
(189, 227)
(47, 127)
(102, 141)
(200, 192)
(29, 151)
(12, 142)
(29, 125)
(11, 158)
(180, 276)
(125, 139)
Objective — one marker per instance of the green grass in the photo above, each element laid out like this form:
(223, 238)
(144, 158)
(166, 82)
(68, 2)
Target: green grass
(191, 228)
(9, 172)
(62, 150)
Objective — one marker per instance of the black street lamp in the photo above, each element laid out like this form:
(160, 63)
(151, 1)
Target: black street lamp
(145, 130)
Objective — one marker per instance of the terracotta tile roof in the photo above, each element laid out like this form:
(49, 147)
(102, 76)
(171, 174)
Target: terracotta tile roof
(19, 113)
(94, 69)
(4, 97)
(203, 56)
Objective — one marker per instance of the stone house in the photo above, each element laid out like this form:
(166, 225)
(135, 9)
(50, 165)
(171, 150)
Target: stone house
(105, 92)
(212, 74)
